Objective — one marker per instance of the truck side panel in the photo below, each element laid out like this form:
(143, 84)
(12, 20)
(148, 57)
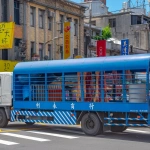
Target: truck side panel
(52, 117)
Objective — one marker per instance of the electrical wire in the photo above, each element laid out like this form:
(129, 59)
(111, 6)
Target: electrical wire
(129, 8)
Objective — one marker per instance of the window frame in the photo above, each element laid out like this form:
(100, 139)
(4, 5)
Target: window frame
(61, 52)
(61, 22)
(17, 12)
(112, 22)
(41, 19)
(135, 21)
(32, 16)
(75, 27)
(75, 52)
(41, 51)
(50, 23)
(50, 51)
(32, 42)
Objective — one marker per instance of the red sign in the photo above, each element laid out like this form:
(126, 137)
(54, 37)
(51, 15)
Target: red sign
(101, 48)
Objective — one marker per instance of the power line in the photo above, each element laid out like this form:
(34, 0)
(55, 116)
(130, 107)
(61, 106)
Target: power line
(130, 8)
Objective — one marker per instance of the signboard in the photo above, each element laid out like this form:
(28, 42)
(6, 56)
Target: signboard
(7, 66)
(101, 48)
(125, 47)
(68, 38)
(6, 35)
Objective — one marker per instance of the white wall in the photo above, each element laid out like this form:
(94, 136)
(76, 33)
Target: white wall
(98, 8)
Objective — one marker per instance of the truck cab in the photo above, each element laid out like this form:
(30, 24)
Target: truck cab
(5, 89)
(5, 97)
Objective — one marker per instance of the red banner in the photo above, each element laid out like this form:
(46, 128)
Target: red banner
(101, 48)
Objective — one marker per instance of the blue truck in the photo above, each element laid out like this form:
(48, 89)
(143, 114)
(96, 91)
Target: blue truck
(98, 93)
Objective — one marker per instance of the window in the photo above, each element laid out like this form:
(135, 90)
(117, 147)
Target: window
(98, 33)
(32, 49)
(50, 51)
(145, 21)
(4, 10)
(61, 52)
(17, 41)
(136, 20)
(32, 16)
(41, 19)
(75, 52)
(112, 22)
(5, 54)
(69, 19)
(61, 23)
(93, 23)
(50, 23)
(75, 27)
(41, 51)
(16, 12)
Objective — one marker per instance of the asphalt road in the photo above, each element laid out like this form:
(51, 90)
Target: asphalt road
(46, 137)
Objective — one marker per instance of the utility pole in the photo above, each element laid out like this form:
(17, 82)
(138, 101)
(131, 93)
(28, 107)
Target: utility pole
(90, 32)
(129, 3)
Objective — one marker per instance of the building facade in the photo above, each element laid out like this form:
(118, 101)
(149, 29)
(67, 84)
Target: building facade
(90, 51)
(129, 25)
(39, 28)
(97, 7)
(103, 1)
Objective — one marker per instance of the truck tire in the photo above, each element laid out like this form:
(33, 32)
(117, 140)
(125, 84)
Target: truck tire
(118, 128)
(91, 125)
(3, 119)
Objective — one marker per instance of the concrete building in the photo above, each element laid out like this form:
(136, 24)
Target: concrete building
(103, 1)
(90, 51)
(124, 25)
(39, 25)
(131, 23)
(98, 7)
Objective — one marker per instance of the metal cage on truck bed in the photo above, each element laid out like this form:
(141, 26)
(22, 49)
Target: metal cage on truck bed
(113, 91)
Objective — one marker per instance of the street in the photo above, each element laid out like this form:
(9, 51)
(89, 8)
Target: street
(19, 136)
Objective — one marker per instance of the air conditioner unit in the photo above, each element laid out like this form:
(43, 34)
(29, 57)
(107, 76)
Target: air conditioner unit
(22, 54)
(22, 44)
(51, 14)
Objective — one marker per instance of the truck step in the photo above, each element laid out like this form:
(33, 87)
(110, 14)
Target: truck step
(145, 119)
(129, 125)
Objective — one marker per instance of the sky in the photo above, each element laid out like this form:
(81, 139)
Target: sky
(117, 4)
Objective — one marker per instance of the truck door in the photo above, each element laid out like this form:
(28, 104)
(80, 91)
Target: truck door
(7, 98)
(0, 89)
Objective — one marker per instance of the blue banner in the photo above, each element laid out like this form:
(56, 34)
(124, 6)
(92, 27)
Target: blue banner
(125, 47)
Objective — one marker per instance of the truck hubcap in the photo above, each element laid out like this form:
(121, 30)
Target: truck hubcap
(90, 124)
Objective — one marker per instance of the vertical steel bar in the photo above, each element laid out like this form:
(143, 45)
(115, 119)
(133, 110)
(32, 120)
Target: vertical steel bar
(63, 87)
(102, 85)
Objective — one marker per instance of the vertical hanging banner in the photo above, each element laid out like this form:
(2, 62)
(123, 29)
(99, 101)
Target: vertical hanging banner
(101, 48)
(6, 35)
(68, 37)
(125, 47)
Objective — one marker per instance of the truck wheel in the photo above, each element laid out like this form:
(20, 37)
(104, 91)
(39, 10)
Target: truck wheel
(29, 123)
(118, 128)
(3, 119)
(91, 125)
